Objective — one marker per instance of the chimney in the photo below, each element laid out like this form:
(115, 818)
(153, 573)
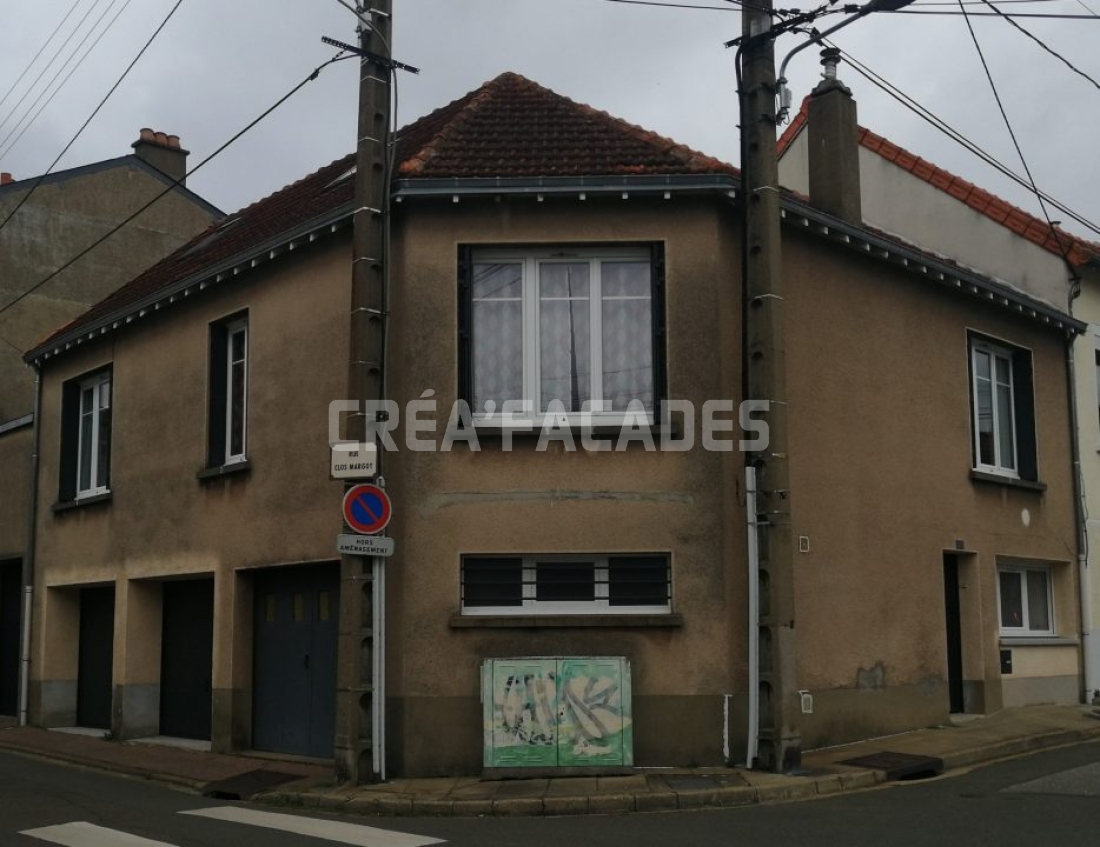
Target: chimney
(163, 152)
(6, 178)
(834, 145)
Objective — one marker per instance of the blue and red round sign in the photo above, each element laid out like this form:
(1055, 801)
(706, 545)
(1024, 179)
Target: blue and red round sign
(367, 509)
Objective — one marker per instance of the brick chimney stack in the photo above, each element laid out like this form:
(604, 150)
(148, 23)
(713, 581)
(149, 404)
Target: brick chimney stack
(163, 152)
(6, 178)
(834, 145)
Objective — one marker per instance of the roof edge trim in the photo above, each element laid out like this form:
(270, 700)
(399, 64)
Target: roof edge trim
(231, 267)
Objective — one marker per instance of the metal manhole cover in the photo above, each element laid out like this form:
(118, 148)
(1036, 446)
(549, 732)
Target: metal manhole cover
(898, 765)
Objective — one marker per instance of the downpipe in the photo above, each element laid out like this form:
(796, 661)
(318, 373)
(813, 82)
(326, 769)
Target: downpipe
(28, 558)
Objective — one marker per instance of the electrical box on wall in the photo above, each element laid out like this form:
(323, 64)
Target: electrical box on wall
(557, 712)
(1006, 661)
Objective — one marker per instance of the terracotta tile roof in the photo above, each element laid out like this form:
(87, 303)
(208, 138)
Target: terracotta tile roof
(512, 127)
(1054, 239)
(509, 127)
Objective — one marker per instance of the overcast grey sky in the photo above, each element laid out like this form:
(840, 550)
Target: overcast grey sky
(219, 63)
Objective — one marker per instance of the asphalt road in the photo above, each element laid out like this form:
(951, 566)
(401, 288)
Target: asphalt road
(1050, 798)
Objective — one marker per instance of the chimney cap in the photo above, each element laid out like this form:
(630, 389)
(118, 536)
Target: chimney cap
(158, 139)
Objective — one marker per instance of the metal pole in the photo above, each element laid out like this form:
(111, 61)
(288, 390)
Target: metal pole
(360, 719)
(766, 378)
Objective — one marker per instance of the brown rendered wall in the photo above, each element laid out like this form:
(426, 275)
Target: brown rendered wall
(881, 428)
(15, 477)
(448, 504)
(58, 222)
(161, 520)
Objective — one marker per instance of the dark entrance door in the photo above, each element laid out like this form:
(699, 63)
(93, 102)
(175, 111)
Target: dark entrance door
(954, 632)
(96, 656)
(10, 605)
(294, 674)
(186, 658)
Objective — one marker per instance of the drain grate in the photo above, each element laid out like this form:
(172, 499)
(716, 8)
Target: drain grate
(898, 765)
(246, 785)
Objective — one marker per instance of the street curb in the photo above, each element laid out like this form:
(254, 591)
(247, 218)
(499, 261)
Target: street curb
(109, 767)
(721, 797)
(560, 805)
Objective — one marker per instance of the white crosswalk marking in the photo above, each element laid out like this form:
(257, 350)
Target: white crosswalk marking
(339, 831)
(84, 834)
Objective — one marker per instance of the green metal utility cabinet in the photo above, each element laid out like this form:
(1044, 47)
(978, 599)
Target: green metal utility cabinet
(557, 712)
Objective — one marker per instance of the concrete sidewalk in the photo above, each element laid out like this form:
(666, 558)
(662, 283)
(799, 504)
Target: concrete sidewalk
(970, 741)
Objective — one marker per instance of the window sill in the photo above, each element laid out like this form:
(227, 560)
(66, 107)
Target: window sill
(1037, 641)
(68, 505)
(658, 619)
(224, 470)
(1007, 481)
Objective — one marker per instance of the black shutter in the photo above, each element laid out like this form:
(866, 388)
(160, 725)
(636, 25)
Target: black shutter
(70, 437)
(465, 324)
(1023, 392)
(216, 402)
(660, 378)
(107, 416)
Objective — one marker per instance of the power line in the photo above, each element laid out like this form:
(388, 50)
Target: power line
(88, 34)
(41, 49)
(95, 112)
(1044, 45)
(50, 63)
(175, 184)
(938, 123)
(1015, 143)
(933, 12)
(738, 6)
(68, 76)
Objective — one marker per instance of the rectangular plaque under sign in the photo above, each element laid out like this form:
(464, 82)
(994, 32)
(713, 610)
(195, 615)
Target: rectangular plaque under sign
(354, 461)
(364, 545)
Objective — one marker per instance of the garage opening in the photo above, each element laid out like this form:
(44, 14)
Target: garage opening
(186, 664)
(294, 670)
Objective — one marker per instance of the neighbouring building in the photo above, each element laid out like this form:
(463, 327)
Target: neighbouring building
(931, 208)
(47, 223)
(549, 607)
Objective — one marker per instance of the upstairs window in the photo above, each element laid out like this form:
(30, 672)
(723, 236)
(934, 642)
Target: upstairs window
(86, 437)
(579, 327)
(228, 398)
(636, 583)
(1002, 409)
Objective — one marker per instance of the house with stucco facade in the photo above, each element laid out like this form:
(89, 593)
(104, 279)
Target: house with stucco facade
(568, 586)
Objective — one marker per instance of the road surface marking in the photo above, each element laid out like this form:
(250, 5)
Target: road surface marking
(84, 834)
(339, 831)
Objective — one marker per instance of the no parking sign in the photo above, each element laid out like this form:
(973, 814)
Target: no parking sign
(367, 509)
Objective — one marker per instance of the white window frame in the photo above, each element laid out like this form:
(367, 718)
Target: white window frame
(531, 417)
(231, 329)
(1021, 571)
(995, 352)
(96, 475)
(601, 605)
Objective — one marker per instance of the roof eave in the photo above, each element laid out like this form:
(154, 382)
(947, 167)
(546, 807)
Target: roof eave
(799, 214)
(232, 267)
(551, 185)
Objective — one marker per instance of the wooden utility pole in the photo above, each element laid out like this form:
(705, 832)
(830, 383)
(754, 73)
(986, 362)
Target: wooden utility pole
(766, 379)
(360, 694)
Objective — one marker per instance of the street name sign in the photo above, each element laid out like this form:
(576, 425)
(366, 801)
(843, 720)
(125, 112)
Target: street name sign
(354, 461)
